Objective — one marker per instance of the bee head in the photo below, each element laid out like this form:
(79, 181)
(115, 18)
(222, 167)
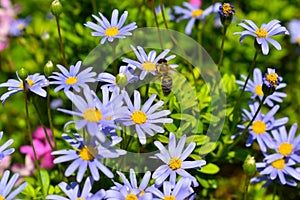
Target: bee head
(162, 60)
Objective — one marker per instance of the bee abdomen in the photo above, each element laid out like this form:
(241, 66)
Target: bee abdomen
(166, 85)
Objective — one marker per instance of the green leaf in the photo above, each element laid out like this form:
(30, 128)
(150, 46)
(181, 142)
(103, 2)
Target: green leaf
(45, 180)
(206, 148)
(199, 139)
(210, 168)
(162, 138)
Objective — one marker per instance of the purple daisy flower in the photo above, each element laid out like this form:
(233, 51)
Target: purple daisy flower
(263, 34)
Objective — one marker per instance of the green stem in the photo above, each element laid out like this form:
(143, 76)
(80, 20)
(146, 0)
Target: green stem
(274, 192)
(115, 67)
(60, 42)
(50, 116)
(222, 48)
(247, 183)
(36, 162)
(156, 22)
(246, 82)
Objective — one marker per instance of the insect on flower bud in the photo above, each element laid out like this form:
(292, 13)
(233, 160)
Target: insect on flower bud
(56, 8)
(48, 69)
(23, 73)
(249, 166)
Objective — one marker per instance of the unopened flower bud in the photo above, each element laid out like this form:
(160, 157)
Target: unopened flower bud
(48, 69)
(121, 80)
(249, 166)
(56, 8)
(23, 73)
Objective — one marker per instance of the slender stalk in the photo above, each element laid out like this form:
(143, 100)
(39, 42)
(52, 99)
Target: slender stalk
(60, 42)
(36, 162)
(50, 116)
(222, 48)
(156, 22)
(246, 82)
(274, 192)
(247, 183)
(114, 64)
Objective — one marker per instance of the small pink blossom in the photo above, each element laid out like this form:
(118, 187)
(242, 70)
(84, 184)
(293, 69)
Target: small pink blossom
(196, 3)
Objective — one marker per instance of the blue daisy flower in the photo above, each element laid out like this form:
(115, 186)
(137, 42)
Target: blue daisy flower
(147, 63)
(6, 186)
(263, 34)
(73, 78)
(226, 10)
(3, 148)
(271, 78)
(86, 155)
(174, 161)
(262, 124)
(181, 190)
(286, 145)
(144, 118)
(124, 77)
(130, 188)
(294, 27)
(111, 30)
(34, 83)
(193, 13)
(255, 87)
(281, 168)
(18, 26)
(73, 192)
(93, 114)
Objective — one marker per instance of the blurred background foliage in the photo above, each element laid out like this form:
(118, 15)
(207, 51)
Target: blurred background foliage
(39, 44)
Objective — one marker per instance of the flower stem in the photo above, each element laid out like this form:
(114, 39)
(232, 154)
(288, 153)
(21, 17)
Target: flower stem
(60, 42)
(36, 162)
(50, 115)
(156, 22)
(247, 183)
(222, 48)
(114, 64)
(246, 82)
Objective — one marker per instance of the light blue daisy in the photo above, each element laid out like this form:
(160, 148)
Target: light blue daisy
(34, 83)
(86, 155)
(3, 148)
(261, 126)
(286, 145)
(181, 190)
(93, 114)
(147, 63)
(121, 80)
(263, 34)
(73, 191)
(193, 13)
(145, 118)
(7, 184)
(255, 87)
(18, 26)
(294, 27)
(111, 30)
(174, 160)
(130, 188)
(283, 169)
(72, 79)
(271, 79)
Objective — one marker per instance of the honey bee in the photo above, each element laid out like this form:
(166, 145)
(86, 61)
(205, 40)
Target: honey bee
(163, 70)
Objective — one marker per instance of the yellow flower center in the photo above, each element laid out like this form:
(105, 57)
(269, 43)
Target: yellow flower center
(259, 127)
(258, 90)
(92, 115)
(112, 31)
(22, 87)
(21, 27)
(197, 13)
(272, 78)
(149, 66)
(261, 33)
(139, 117)
(87, 153)
(285, 148)
(80, 198)
(226, 8)
(131, 197)
(71, 80)
(298, 40)
(30, 82)
(278, 164)
(175, 163)
(171, 197)
(2, 198)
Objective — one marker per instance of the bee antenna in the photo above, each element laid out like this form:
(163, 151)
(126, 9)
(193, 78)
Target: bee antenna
(162, 60)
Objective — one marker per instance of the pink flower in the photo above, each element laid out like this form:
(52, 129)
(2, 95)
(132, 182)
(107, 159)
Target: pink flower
(196, 3)
(42, 148)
